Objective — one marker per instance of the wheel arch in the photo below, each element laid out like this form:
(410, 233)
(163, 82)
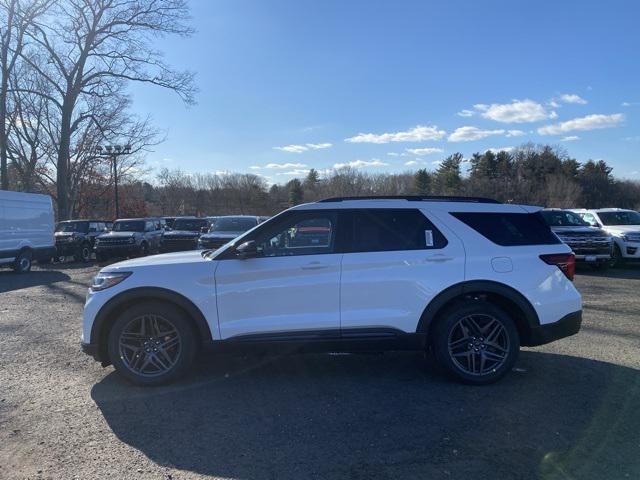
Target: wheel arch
(120, 302)
(499, 294)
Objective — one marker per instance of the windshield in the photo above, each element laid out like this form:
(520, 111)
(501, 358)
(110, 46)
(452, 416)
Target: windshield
(560, 218)
(233, 224)
(192, 224)
(81, 227)
(627, 217)
(129, 226)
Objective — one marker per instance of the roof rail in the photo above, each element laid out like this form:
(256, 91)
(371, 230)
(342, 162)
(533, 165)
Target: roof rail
(414, 198)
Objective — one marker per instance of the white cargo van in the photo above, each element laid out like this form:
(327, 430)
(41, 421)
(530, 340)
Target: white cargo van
(26, 229)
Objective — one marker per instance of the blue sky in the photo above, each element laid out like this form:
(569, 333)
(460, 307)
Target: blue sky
(286, 85)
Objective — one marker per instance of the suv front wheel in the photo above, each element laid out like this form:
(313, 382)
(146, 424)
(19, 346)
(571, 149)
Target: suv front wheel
(152, 343)
(476, 342)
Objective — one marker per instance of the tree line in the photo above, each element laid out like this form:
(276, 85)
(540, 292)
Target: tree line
(65, 66)
(531, 174)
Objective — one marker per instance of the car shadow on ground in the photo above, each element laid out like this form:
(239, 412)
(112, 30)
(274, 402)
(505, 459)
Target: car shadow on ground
(628, 270)
(383, 416)
(10, 280)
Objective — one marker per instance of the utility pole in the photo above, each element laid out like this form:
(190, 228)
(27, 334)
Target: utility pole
(113, 152)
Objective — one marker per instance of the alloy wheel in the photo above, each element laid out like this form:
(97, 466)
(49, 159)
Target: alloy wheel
(479, 344)
(149, 345)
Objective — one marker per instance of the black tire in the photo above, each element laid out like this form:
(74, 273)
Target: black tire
(168, 316)
(617, 260)
(22, 263)
(468, 351)
(83, 254)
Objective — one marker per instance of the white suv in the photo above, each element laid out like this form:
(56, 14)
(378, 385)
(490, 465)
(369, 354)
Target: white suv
(623, 225)
(469, 279)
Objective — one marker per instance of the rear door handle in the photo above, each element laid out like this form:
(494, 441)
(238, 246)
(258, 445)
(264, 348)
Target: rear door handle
(314, 266)
(438, 257)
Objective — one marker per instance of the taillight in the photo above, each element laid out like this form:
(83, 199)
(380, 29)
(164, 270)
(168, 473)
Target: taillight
(564, 261)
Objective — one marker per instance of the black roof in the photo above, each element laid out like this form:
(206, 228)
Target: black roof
(414, 198)
(84, 220)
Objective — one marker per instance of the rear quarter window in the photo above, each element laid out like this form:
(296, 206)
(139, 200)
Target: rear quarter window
(510, 229)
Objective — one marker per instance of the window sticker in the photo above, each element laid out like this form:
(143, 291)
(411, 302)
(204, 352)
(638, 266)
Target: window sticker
(428, 236)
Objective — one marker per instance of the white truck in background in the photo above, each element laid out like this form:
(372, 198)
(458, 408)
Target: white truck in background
(26, 229)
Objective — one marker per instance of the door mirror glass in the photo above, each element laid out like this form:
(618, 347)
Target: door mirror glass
(247, 249)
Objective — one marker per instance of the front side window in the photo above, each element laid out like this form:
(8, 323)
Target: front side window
(383, 230)
(590, 219)
(302, 234)
(628, 217)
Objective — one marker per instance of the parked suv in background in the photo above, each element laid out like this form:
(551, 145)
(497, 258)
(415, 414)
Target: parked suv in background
(591, 245)
(623, 225)
(77, 238)
(184, 234)
(225, 229)
(469, 279)
(129, 237)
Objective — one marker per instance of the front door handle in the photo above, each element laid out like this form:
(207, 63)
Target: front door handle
(438, 257)
(314, 266)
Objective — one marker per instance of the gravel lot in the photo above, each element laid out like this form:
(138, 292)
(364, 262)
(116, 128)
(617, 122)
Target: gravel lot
(570, 410)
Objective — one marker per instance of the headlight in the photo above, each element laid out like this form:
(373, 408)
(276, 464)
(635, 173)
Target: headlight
(630, 237)
(105, 280)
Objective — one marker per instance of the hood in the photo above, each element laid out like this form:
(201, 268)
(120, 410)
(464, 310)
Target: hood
(229, 235)
(620, 229)
(585, 229)
(118, 235)
(65, 234)
(192, 256)
(181, 233)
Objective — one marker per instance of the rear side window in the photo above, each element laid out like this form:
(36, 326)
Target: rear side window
(510, 229)
(384, 230)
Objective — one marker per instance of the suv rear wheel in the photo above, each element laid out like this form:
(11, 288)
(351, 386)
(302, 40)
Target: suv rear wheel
(476, 342)
(152, 343)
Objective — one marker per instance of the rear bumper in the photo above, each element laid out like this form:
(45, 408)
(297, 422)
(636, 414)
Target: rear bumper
(549, 332)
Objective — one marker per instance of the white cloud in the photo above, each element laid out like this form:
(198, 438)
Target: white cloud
(501, 149)
(468, 134)
(518, 111)
(590, 122)
(417, 134)
(424, 151)
(466, 113)
(570, 138)
(374, 162)
(572, 98)
(298, 172)
(318, 146)
(280, 166)
(515, 133)
(255, 167)
(630, 104)
(552, 103)
(411, 163)
(302, 148)
(396, 154)
(292, 148)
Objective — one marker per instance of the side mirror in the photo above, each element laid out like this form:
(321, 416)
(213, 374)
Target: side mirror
(247, 250)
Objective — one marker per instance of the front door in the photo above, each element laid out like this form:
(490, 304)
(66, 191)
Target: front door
(291, 289)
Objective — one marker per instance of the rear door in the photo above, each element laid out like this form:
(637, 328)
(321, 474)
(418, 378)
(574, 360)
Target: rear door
(398, 260)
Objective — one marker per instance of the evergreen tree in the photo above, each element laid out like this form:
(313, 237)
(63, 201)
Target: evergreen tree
(422, 182)
(296, 193)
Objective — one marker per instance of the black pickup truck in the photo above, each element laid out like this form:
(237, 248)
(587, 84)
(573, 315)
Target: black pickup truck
(184, 234)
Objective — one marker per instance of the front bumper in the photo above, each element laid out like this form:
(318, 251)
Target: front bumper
(67, 248)
(550, 332)
(117, 250)
(178, 245)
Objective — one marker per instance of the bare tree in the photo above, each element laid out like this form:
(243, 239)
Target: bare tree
(87, 50)
(15, 18)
